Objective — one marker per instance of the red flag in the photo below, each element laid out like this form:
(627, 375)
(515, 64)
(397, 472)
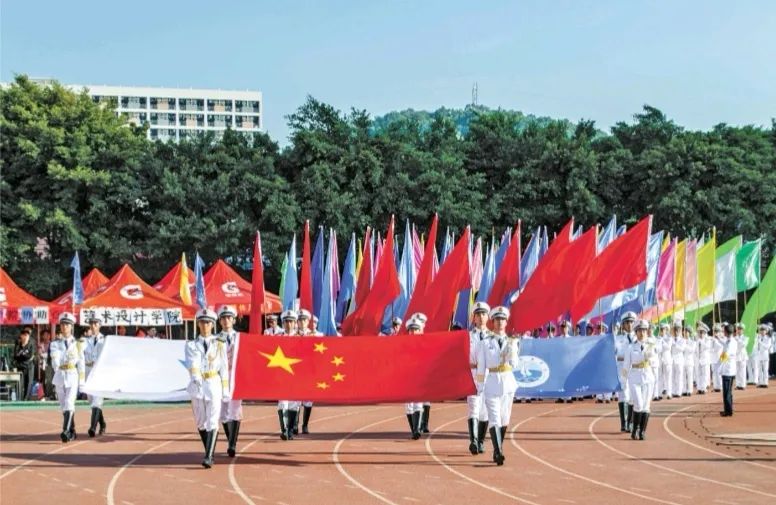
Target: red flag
(454, 276)
(306, 282)
(426, 271)
(433, 366)
(543, 296)
(364, 283)
(366, 319)
(257, 288)
(622, 265)
(508, 277)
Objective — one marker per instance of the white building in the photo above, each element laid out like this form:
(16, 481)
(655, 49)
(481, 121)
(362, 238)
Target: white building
(176, 113)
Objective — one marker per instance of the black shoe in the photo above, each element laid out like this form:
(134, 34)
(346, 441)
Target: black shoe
(226, 425)
(717, 390)
(293, 418)
(92, 431)
(424, 419)
(234, 431)
(412, 426)
(203, 437)
(416, 425)
(482, 429)
(629, 418)
(282, 415)
(495, 436)
(503, 433)
(621, 409)
(103, 424)
(559, 400)
(306, 419)
(72, 434)
(65, 435)
(599, 401)
(472, 437)
(210, 439)
(635, 425)
(643, 425)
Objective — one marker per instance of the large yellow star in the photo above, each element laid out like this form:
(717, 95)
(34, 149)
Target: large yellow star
(338, 360)
(320, 347)
(338, 377)
(280, 360)
(322, 385)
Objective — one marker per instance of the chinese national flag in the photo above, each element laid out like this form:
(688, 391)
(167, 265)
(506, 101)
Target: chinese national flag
(354, 370)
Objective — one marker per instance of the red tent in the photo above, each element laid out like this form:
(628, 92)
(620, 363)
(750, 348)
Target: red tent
(170, 284)
(126, 290)
(92, 282)
(13, 299)
(225, 286)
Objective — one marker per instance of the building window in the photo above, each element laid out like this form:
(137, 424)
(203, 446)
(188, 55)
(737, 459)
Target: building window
(133, 102)
(162, 103)
(219, 120)
(191, 104)
(247, 106)
(219, 105)
(247, 121)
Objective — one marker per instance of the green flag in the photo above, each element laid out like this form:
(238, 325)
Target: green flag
(763, 301)
(748, 265)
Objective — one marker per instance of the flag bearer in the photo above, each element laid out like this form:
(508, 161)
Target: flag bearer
(478, 414)
(272, 326)
(677, 356)
(288, 410)
(68, 363)
(413, 409)
(762, 347)
(705, 351)
(496, 359)
(206, 357)
(304, 318)
(92, 352)
(741, 356)
(636, 366)
(423, 319)
(621, 343)
(231, 410)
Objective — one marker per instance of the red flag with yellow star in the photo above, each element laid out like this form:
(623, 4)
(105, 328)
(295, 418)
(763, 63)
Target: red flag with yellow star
(353, 370)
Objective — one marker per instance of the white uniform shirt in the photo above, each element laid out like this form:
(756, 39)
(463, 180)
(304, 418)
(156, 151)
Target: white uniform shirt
(666, 356)
(636, 363)
(207, 362)
(93, 349)
(727, 357)
(762, 347)
(67, 360)
(655, 344)
(475, 337)
(690, 351)
(677, 350)
(742, 355)
(496, 358)
(705, 350)
(278, 330)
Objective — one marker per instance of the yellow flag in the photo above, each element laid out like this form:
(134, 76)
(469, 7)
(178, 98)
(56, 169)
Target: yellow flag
(185, 294)
(679, 270)
(706, 263)
(359, 258)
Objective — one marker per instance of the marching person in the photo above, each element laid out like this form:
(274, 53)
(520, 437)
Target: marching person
(654, 363)
(690, 360)
(413, 409)
(717, 339)
(207, 361)
(68, 363)
(741, 356)
(395, 328)
(92, 352)
(621, 343)
(231, 410)
(422, 319)
(496, 358)
(677, 356)
(727, 369)
(307, 406)
(762, 349)
(666, 361)
(272, 326)
(288, 410)
(636, 366)
(477, 413)
(705, 351)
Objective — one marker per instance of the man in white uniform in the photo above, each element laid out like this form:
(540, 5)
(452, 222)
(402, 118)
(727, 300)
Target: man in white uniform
(92, 352)
(231, 410)
(69, 375)
(477, 414)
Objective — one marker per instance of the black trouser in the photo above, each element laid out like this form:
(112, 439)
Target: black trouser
(727, 393)
(28, 374)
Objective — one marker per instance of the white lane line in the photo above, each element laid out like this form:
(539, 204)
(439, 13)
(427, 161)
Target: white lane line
(572, 474)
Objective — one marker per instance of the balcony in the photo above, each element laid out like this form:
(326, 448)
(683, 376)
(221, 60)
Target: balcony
(219, 121)
(162, 103)
(219, 105)
(133, 102)
(162, 134)
(251, 122)
(162, 119)
(191, 120)
(247, 106)
(191, 104)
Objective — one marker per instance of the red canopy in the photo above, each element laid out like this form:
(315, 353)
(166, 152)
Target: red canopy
(225, 286)
(127, 290)
(170, 284)
(92, 282)
(13, 298)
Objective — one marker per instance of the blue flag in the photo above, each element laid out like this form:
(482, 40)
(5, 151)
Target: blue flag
(488, 274)
(545, 244)
(326, 322)
(506, 238)
(78, 287)
(199, 265)
(317, 273)
(348, 285)
(291, 284)
(530, 258)
(608, 234)
(560, 367)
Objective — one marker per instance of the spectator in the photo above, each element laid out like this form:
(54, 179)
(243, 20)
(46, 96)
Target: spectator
(24, 361)
(140, 333)
(121, 330)
(45, 374)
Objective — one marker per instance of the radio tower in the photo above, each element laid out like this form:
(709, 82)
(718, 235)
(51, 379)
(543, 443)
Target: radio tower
(474, 94)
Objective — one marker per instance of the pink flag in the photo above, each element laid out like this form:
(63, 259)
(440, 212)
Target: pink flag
(665, 273)
(476, 267)
(417, 249)
(691, 272)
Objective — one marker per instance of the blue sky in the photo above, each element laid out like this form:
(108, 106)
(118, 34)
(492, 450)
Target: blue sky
(701, 62)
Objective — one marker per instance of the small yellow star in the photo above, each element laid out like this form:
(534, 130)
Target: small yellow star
(322, 385)
(320, 347)
(280, 360)
(338, 377)
(338, 360)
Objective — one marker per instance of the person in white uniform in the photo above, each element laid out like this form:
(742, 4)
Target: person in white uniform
(727, 368)
(477, 413)
(272, 326)
(690, 360)
(231, 410)
(666, 361)
(413, 410)
(655, 363)
(741, 356)
(288, 410)
(209, 381)
(716, 377)
(92, 352)
(677, 356)
(621, 343)
(761, 352)
(308, 327)
(636, 365)
(705, 352)
(426, 413)
(69, 374)
(497, 357)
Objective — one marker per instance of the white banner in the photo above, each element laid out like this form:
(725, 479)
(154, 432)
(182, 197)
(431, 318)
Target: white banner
(131, 368)
(112, 316)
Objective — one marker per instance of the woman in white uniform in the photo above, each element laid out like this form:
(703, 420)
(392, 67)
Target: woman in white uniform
(641, 380)
(414, 410)
(69, 373)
